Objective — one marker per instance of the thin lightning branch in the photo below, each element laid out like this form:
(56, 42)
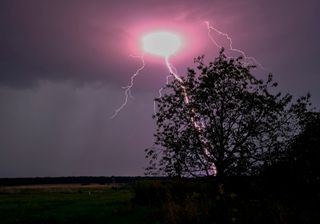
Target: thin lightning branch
(231, 48)
(174, 73)
(172, 69)
(127, 89)
(160, 93)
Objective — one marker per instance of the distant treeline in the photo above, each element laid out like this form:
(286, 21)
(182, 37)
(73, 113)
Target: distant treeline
(85, 180)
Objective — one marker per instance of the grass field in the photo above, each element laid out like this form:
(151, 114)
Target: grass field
(71, 203)
(176, 201)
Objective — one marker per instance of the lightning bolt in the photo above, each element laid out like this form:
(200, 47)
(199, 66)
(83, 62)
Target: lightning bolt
(127, 89)
(172, 72)
(197, 125)
(160, 92)
(200, 125)
(231, 48)
(172, 69)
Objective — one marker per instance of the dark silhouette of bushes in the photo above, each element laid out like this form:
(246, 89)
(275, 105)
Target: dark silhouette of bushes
(229, 200)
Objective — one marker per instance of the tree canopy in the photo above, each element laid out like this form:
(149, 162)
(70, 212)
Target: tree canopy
(221, 120)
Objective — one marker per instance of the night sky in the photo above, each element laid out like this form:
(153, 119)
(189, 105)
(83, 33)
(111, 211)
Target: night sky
(63, 63)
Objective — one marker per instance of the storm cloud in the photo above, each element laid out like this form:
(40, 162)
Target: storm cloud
(63, 63)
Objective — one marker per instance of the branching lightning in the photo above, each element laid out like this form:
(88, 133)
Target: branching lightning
(172, 70)
(160, 93)
(127, 89)
(231, 48)
(199, 125)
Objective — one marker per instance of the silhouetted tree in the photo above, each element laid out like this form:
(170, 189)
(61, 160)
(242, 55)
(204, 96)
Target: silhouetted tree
(221, 120)
(304, 152)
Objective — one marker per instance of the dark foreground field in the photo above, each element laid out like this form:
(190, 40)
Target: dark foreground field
(169, 201)
(69, 203)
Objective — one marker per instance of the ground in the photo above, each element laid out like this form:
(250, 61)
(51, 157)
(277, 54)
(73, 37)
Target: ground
(170, 201)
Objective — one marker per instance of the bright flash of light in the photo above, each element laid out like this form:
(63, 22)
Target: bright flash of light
(161, 43)
(158, 43)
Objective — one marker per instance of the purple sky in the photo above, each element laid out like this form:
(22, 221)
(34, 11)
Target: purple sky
(63, 63)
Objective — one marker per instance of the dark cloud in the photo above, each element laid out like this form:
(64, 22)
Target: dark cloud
(53, 41)
(61, 130)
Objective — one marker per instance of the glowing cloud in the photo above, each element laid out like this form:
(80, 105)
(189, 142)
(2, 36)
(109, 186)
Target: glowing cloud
(161, 43)
(156, 40)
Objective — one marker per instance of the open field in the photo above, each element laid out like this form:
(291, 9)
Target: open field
(58, 188)
(70, 203)
(171, 201)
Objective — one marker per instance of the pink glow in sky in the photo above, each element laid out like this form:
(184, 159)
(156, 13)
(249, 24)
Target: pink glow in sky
(160, 42)
(192, 37)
